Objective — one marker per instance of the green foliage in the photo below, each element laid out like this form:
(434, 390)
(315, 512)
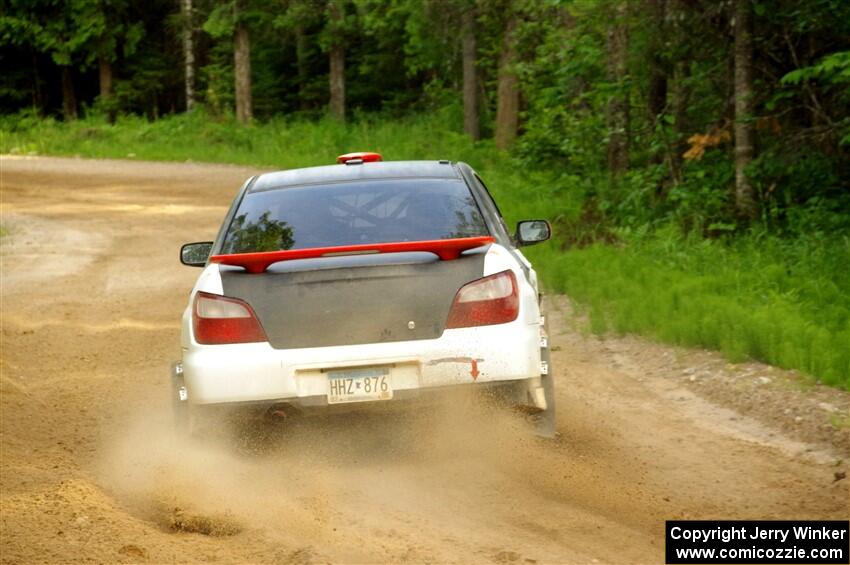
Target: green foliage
(832, 74)
(802, 120)
(760, 297)
(73, 32)
(263, 235)
(222, 20)
(217, 78)
(833, 68)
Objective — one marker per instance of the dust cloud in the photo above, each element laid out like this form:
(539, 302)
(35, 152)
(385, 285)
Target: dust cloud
(321, 477)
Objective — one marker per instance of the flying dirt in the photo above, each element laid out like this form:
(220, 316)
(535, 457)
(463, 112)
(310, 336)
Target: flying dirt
(90, 469)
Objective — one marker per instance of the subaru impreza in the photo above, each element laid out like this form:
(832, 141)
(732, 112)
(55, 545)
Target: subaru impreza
(364, 282)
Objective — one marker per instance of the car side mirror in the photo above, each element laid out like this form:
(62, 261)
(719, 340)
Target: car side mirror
(196, 254)
(529, 232)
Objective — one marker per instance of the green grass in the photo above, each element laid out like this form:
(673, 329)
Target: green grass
(786, 302)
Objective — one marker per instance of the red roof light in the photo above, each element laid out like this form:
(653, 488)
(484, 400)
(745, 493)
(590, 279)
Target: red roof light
(364, 156)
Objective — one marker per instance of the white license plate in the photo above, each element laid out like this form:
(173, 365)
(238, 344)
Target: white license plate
(359, 385)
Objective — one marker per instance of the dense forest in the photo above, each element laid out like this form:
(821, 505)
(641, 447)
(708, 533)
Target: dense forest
(693, 154)
(712, 113)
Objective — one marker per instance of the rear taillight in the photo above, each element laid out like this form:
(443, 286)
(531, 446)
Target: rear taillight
(218, 319)
(487, 301)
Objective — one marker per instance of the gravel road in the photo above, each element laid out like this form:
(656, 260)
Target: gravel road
(92, 294)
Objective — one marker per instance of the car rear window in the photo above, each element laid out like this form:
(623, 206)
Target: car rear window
(353, 213)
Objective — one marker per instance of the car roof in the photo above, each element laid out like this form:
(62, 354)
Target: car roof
(329, 174)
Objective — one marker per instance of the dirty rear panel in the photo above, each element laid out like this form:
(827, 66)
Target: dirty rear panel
(347, 300)
(354, 300)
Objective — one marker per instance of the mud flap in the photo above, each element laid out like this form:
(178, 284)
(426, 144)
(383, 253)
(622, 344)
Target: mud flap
(545, 420)
(179, 399)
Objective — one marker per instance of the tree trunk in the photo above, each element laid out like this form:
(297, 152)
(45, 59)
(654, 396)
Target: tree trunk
(188, 53)
(37, 92)
(681, 98)
(618, 105)
(507, 106)
(303, 66)
(337, 67)
(242, 73)
(680, 91)
(656, 96)
(657, 89)
(337, 82)
(745, 202)
(105, 73)
(69, 99)
(471, 121)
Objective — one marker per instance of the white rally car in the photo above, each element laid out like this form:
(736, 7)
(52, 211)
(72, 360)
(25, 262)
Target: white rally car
(362, 282)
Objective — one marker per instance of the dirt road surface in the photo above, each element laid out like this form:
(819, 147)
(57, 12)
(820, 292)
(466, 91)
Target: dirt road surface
(92, 294)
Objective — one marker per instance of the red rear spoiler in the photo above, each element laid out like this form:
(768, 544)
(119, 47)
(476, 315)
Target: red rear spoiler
(445, 249)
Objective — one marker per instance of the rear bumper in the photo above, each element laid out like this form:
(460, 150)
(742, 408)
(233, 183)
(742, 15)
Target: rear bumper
(256, 372)
(513, 393)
